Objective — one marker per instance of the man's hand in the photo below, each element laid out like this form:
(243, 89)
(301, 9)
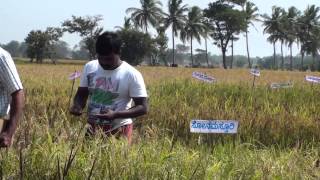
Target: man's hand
(5, 139)
(75, 110)
(106, 115)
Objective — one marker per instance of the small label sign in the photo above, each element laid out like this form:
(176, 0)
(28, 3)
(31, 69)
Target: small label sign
(281, 85)
(255, 72)
(203, 77)
(313, 79)
(214, 126)
(74, 75)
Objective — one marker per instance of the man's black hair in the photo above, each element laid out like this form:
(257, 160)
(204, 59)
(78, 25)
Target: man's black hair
(107, 43)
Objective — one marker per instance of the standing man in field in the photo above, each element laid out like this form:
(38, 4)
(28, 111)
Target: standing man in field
(110, 85)
(11, 98)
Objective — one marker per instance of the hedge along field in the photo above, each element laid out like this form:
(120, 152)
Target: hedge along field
(278, 134)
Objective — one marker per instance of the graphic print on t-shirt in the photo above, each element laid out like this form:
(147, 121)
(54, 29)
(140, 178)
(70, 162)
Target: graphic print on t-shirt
(103, 94)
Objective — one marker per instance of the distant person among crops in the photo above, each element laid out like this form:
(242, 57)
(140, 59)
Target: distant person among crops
(110, 85)
(11, 98)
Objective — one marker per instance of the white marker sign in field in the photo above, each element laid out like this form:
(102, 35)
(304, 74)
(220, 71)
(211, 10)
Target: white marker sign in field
(255, 72)
(214, 126)
(203, 77)
(313, 79)
(281, 85)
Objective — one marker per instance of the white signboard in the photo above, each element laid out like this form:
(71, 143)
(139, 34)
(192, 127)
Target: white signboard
(255, 72)
(214, 126)
(281, 85)
(313, 79)
(203, 77)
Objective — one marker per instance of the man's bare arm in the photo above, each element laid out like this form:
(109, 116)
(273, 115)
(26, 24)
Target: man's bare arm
(80, 101)
(16, 110)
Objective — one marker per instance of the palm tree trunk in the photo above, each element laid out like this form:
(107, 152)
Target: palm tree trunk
(274, 55)
(146, 24)
(206, 51)
(291, 57)
(152, 63)
(282, 58)
(224, 58)
(231, 64)
(173, 57)
(191, 52)
(302, 57)
(248, 54)
(313, 62)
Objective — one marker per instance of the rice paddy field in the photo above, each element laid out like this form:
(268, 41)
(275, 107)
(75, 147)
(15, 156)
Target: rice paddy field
(278, 135)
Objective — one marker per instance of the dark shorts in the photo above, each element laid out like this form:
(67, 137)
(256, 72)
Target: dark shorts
(123, 131)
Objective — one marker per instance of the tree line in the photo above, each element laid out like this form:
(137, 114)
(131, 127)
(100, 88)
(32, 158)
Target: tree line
(219, 24)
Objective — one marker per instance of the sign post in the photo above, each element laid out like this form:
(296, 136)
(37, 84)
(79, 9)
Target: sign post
(255, 73)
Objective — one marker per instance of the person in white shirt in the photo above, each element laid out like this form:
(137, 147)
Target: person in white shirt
(11, 98)
(110, 85)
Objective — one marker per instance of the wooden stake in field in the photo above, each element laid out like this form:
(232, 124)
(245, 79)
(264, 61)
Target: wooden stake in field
(255, 73)
(73, 77)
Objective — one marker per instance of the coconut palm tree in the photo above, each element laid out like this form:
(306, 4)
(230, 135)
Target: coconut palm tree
(149, 14)
(233, 38)
(283, 34)
(126, 25)
(193, 28)
(251, 16)
(290, 29)
(205, 34)
(308, 32)
(176, 19)
(272, 26)
(313, 47)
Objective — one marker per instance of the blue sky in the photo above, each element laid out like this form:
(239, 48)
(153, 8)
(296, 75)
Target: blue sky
(19, 17)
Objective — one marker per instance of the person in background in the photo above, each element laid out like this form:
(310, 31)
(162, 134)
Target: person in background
(11, 98)
(110, 85)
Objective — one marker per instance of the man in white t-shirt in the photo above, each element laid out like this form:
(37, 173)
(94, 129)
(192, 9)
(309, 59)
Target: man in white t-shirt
(110, 85)
(11, 98)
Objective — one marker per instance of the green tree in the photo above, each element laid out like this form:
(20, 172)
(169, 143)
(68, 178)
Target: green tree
(149, 13)
(13, 48)
(282, 35)
(200, 57)
(233, 38)
(40, 43)
(308, 32)
(290, 30)
(272, 26)
(61, 50)
(88, 28)
(251, 16)
(136, 45)
(205, 34)
(160, 46)
(193, 28)
(80, 51)
(175, 18)
(225, 22)
(126, 25)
